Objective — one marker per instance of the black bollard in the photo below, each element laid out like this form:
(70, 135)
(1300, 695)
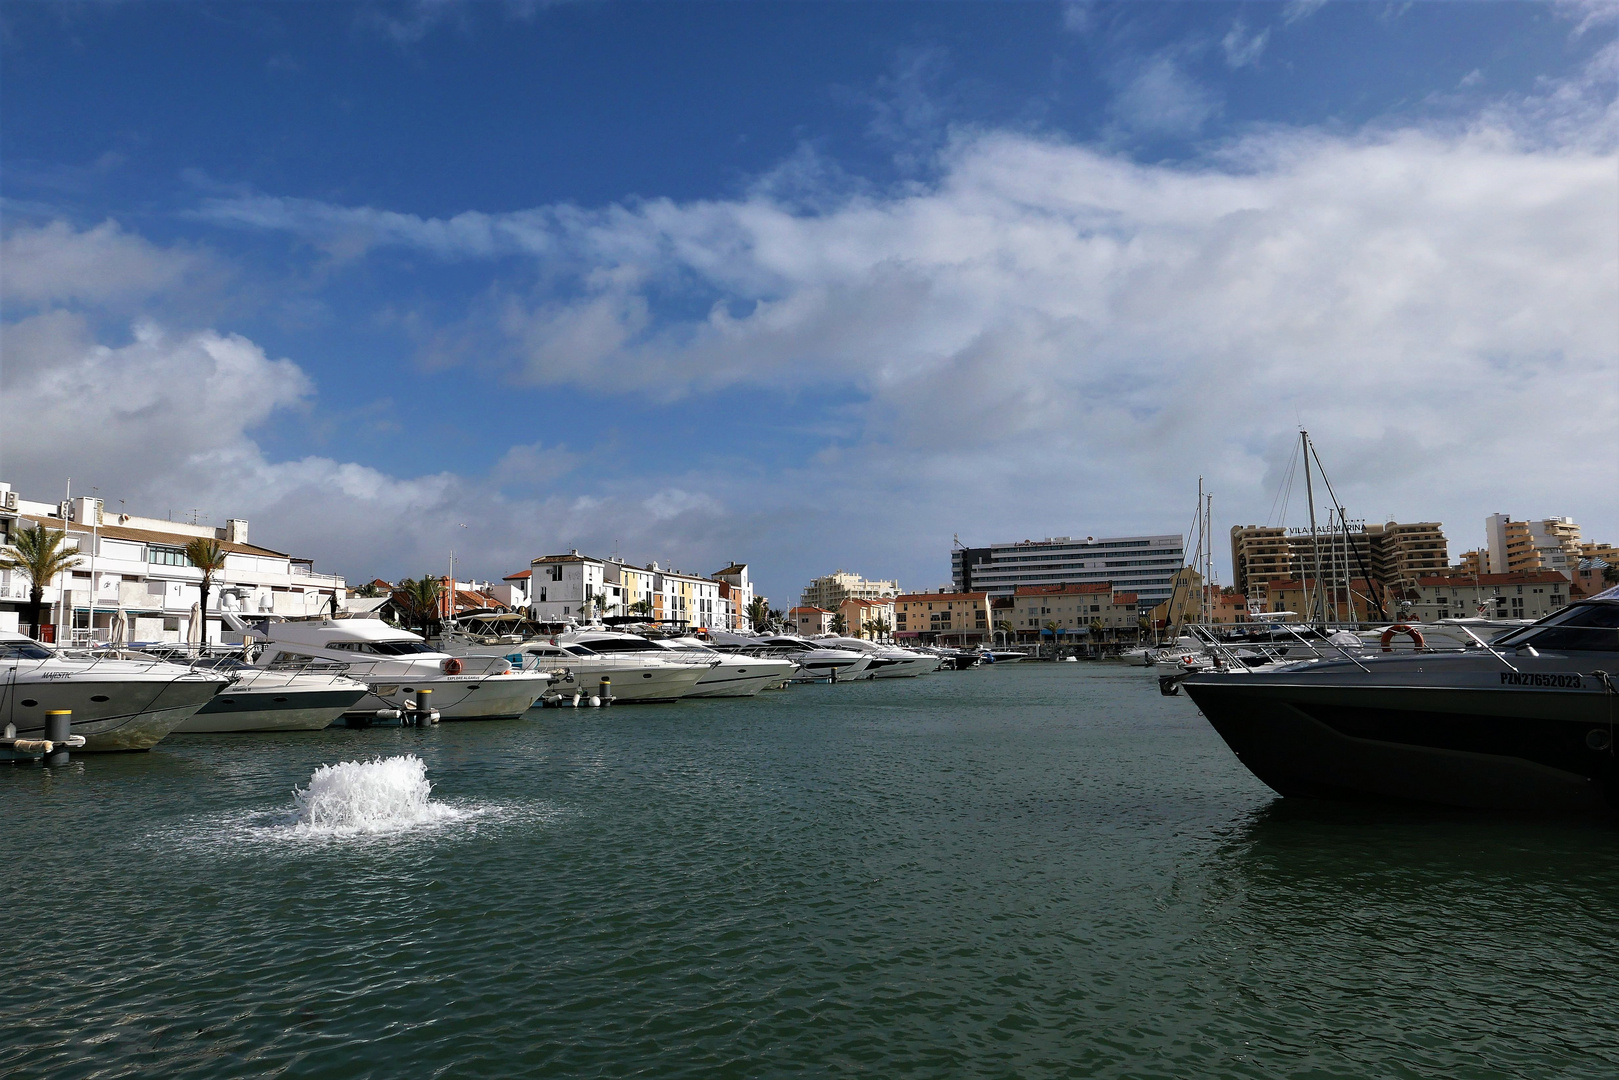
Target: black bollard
(58, 726)
(424, 708)
(606, 690)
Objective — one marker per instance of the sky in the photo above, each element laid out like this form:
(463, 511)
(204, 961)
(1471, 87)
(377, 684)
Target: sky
(806, 285)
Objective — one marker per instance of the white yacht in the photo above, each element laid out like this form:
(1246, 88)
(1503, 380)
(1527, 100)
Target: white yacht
(887, 661)
(815, 660)
(262, 700)
(726, 674)
(118, 703)
(396, 665)
(576, 668)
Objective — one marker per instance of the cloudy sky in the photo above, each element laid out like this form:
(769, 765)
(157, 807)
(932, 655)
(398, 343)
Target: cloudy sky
(806, 285)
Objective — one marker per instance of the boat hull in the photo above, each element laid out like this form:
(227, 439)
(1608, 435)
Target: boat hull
(233, 711)
(116, 725)
(1539, 749)
(456, 697)
(634, 685)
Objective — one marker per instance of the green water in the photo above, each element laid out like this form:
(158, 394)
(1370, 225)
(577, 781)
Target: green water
(1040, 870)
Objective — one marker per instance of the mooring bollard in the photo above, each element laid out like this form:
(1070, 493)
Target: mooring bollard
(58, 726)
(424, 708)
(606, 691)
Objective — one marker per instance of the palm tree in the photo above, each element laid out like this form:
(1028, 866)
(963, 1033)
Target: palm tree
(40, 556)
(758, 612)
(1054, 628)
(1610, 575)
(879, 628)
(643, 608)
(206, 555)
(420, 600)
(840, 625)
(367, 591)
(599, 602)
(776, 617)
(1004, 627)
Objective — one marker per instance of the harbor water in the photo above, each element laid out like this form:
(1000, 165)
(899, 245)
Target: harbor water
(1022, 871)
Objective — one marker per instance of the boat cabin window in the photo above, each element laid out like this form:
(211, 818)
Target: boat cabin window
(612, 645)
(577, 650)
(1583, 628)
(218, 663)
(24, 650)
(381, 648)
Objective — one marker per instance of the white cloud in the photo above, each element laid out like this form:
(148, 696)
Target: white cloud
(55, 263)
(1241, 48)
(1056, 317)
(1159, 98)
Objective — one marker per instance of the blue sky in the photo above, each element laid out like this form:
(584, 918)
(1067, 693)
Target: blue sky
(807, 285)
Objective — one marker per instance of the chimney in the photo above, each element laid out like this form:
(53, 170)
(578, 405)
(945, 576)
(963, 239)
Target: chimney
(236, 531)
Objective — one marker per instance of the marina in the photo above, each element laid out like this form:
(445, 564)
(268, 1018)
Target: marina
(1036, 869)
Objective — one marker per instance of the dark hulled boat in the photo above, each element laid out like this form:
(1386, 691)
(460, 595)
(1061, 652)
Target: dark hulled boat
(1526, 723)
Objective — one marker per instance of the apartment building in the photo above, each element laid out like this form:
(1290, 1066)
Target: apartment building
(736, 592)
(949, 618)
(1072, 608)
(1547, 544)
(1393, 553)
(806, 620)
(138, 564)
(1520, 594)
(1144, 565)
(863, 617)
(582, 588)
(840, 585)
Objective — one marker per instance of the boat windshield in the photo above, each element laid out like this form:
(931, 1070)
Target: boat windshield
(612, 645)
(218, 663)
(1582, 628)
(24, 650)
(382, 648)
(577, 650)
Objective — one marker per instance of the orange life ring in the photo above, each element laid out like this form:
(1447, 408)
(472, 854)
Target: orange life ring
(1402, 628)
(1187, 660)
(452, 666)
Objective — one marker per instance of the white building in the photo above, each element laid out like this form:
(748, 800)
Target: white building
(1144, 565)
(139, 564)
(563, 587)
(736, 595)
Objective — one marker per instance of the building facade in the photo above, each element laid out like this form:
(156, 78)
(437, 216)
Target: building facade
(736, 590)
(830, 591)
(949, 618)
(1393, 553)
(1076, 610)
(1523, 594)
(1144, 565)
(138, 565)
(806, 620)
(1547, 544)
(868, 618)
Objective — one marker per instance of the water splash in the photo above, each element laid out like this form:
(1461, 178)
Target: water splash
(383, 795)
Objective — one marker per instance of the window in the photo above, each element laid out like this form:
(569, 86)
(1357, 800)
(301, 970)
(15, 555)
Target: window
(166, 556)
(556, 572)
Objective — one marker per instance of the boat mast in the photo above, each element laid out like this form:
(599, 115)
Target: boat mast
(1315, 538)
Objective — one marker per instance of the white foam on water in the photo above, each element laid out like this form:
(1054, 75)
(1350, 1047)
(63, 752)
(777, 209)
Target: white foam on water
(383, 795)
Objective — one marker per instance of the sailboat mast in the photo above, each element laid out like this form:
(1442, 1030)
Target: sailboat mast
(1315, 538)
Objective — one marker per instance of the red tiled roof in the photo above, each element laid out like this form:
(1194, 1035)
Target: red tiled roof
(521, 575)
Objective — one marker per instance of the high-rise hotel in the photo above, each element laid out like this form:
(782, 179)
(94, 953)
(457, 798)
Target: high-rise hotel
(1143, 565)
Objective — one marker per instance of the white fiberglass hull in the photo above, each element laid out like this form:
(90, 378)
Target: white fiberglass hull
(631, 683)
(457, 697)
(906, 667)
(734, 677)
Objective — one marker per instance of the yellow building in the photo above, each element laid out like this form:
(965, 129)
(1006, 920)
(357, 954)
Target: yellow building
(953, 618)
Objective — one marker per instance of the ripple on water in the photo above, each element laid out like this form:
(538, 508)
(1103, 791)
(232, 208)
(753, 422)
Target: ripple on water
(383, 800)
